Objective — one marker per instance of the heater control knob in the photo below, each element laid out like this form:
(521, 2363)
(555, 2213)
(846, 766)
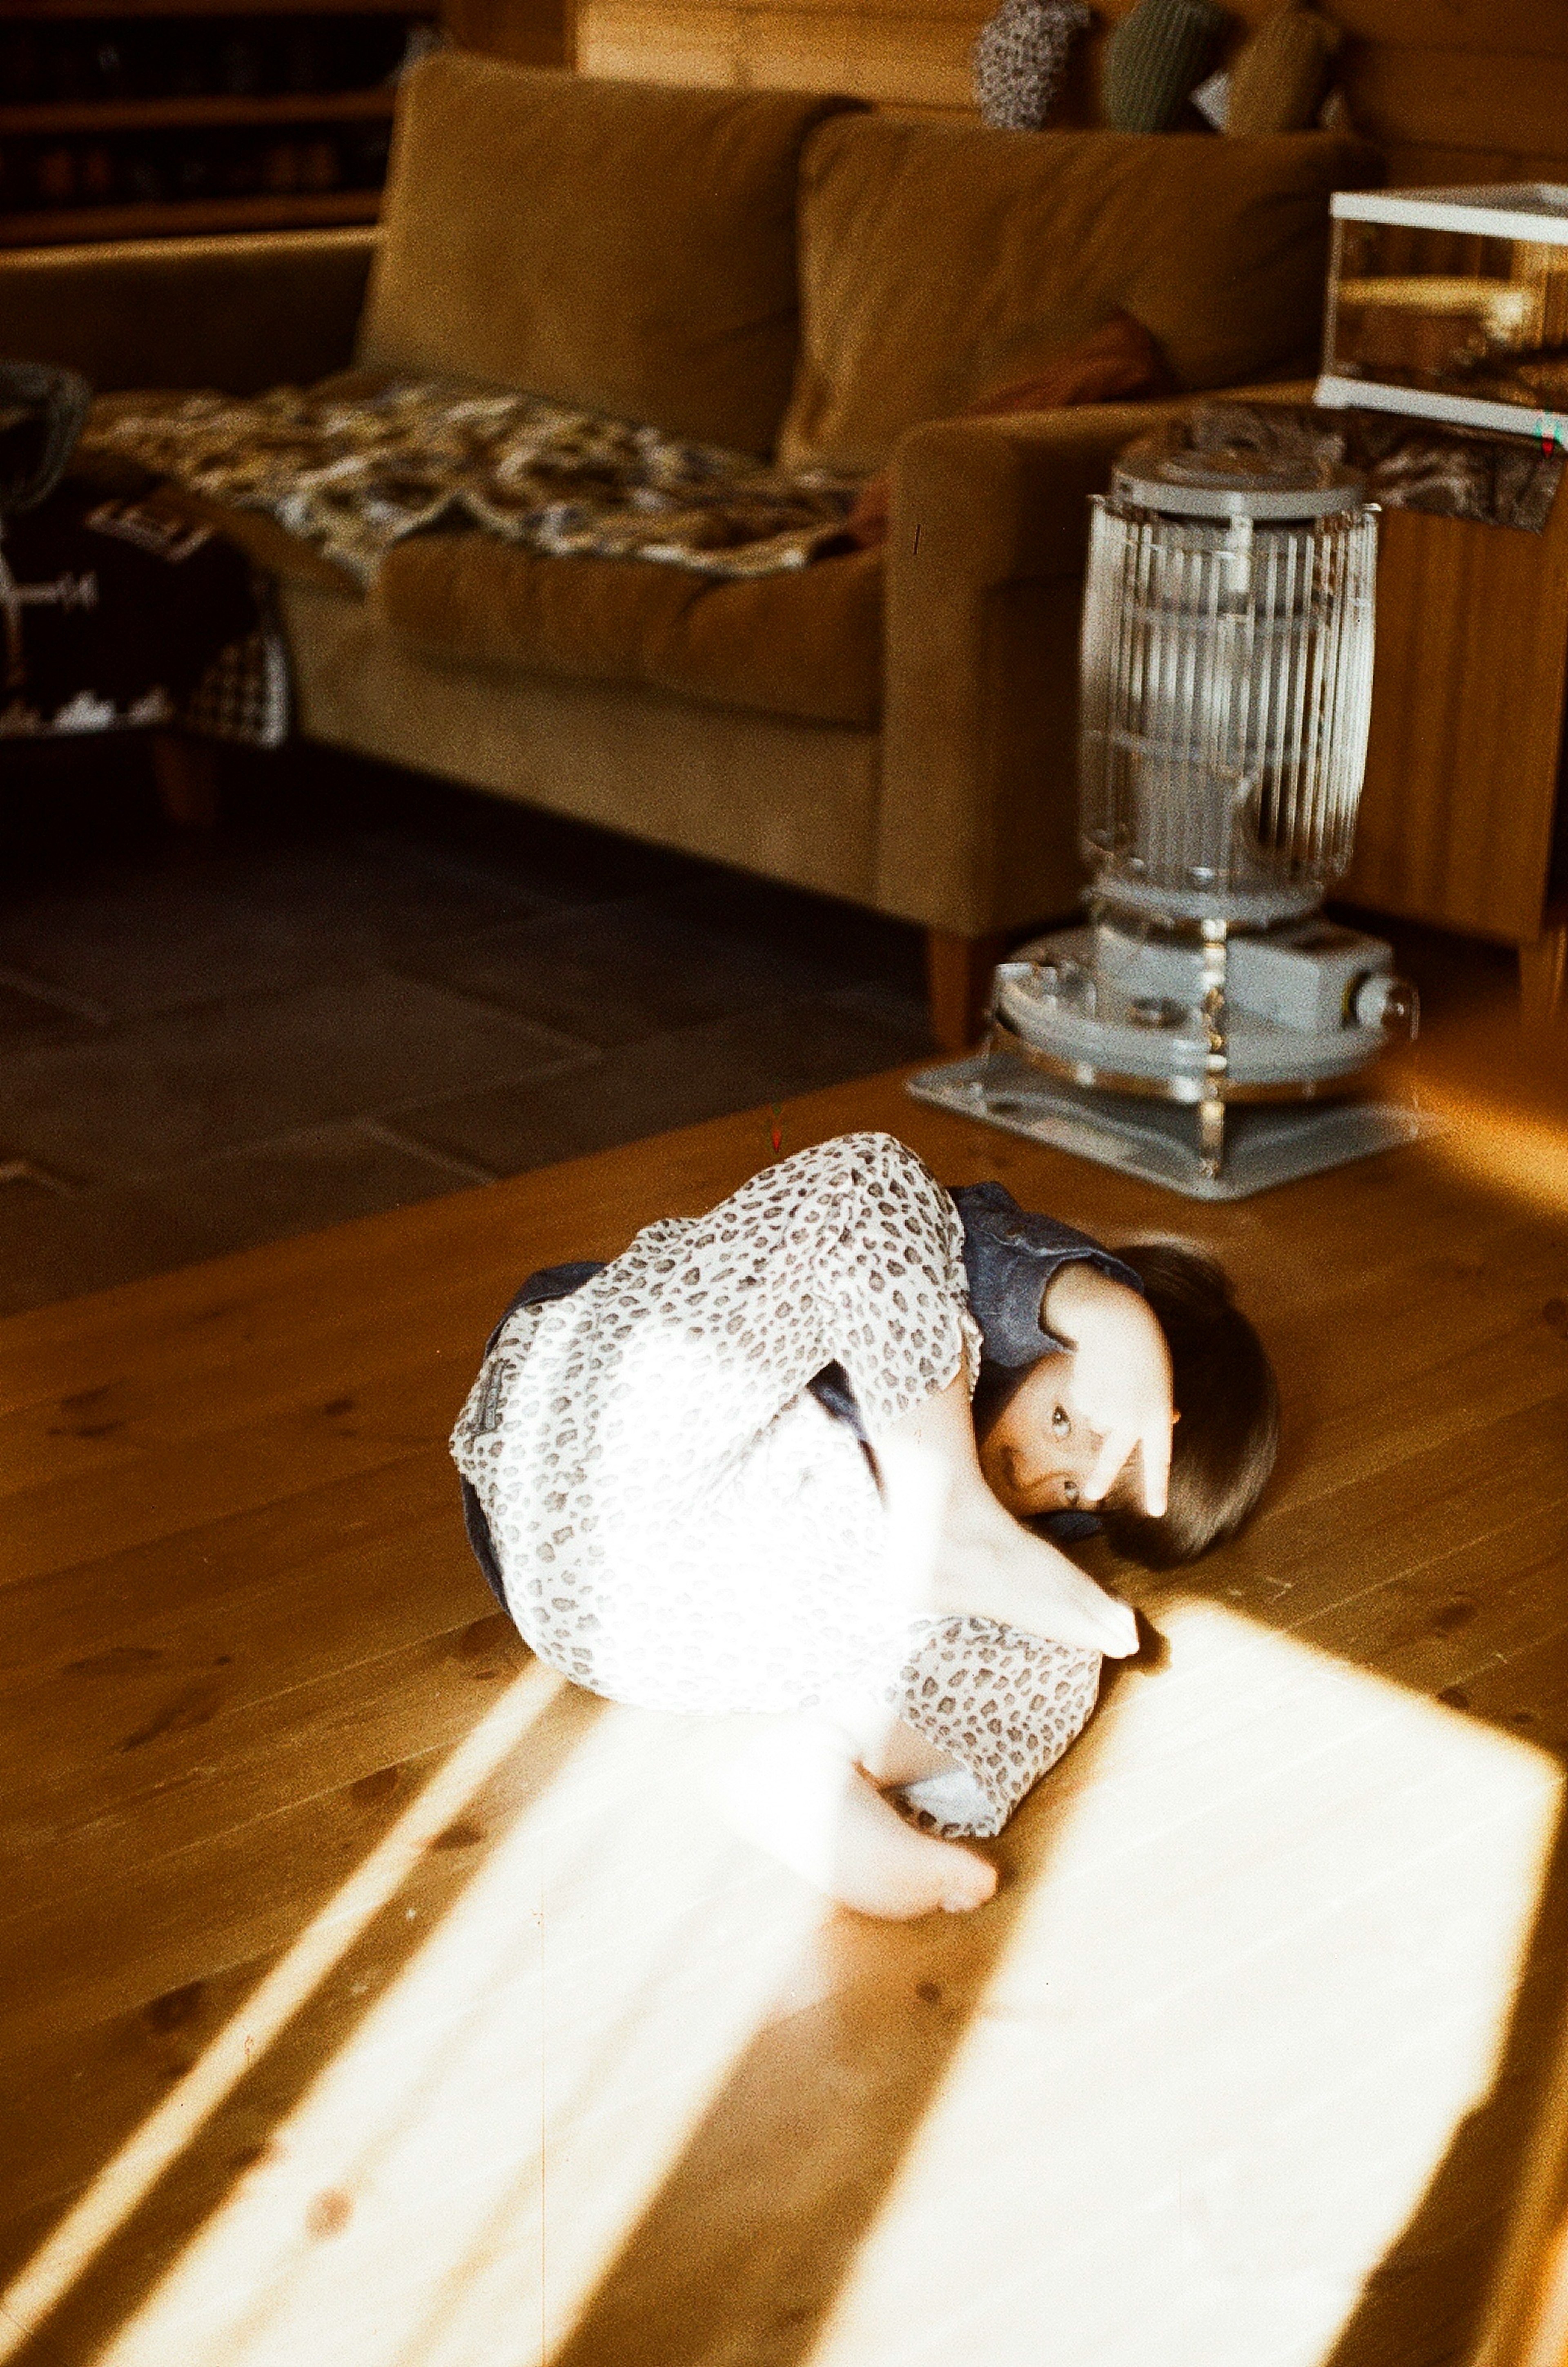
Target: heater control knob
(1064, 981)
(1381, 1000)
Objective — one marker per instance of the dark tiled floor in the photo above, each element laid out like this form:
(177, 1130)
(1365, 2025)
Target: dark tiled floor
(365, 990)
(147, 1095)
(674, 1077)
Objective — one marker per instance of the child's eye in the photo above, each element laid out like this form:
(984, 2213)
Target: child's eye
(1059, 1423)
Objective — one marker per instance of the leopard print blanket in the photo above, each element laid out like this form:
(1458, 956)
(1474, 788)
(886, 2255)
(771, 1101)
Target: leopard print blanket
(354, 467)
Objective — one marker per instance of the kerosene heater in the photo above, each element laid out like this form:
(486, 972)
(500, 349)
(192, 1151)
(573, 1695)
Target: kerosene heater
(1199, 1027)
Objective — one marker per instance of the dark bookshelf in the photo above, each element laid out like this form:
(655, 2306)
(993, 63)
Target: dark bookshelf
(126, 119)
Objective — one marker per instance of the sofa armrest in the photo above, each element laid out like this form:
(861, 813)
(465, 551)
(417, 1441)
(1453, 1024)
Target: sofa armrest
(977, 827)
(239, 313)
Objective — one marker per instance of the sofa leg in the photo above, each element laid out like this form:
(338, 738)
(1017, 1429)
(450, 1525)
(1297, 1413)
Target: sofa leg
(958, 982)
(1543, 976)
(186, 774)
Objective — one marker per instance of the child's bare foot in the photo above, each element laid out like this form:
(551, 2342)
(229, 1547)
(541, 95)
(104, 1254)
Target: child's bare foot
(795, 1790)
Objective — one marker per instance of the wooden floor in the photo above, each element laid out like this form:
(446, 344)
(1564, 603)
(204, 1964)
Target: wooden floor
(369, 1999)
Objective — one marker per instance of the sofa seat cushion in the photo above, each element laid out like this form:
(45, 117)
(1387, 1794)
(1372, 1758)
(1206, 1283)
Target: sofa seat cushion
(806, 644)
(609, 246)
(939, 261)
(763, 793)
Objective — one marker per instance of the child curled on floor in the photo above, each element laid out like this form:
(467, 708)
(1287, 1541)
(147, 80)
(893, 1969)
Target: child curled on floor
(801, 1457)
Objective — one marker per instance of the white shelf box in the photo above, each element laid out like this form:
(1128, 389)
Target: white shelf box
(1451, 304)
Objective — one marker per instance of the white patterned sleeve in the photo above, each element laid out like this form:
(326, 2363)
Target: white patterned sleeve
(850, 1253)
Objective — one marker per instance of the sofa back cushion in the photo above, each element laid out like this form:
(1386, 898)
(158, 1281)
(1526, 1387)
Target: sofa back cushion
(938, 261)
(612, 245)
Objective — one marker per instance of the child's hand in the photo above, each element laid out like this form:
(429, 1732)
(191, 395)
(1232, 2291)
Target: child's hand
(1121, 1379)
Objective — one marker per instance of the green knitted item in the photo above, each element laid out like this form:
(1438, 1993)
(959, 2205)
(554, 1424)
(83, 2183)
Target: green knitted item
(1154, 58)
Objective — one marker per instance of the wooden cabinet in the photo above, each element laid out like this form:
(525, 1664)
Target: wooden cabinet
(146, 117)
(1458, 824)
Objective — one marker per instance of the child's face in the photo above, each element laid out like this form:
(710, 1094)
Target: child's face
(1039, 1453)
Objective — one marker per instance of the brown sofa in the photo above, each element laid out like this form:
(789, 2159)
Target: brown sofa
(777, 274)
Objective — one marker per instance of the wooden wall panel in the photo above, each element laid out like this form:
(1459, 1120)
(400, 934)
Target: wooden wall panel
(912, 66)
(529, 32)
(647, 41)
(918, 60)
(909, 62)
(1417, 166)
(880, 14)
(1454, 90)
(1458, 97)
(1537, 26)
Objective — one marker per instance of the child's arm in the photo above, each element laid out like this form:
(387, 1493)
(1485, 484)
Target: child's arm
(952, 1549)
(1012, 1256)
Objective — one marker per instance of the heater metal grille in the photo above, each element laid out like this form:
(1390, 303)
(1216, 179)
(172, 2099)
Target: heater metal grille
(1227, 671)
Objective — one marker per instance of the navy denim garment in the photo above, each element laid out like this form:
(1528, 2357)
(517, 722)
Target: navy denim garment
(1010, 1257)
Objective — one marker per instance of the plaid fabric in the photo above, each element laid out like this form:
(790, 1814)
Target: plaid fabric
(121, 616)
(244, 696)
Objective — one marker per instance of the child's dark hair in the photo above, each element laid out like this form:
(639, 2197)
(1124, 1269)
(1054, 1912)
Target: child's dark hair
(1223, 1448)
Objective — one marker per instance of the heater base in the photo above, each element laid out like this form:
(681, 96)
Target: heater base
(1157, 1140)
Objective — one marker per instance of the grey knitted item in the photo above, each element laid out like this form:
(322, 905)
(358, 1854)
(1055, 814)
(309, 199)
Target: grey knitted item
(1018, 59)
(1154, 58)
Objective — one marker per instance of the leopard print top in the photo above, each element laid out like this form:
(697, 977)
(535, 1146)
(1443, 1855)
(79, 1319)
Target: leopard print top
(679, 1522)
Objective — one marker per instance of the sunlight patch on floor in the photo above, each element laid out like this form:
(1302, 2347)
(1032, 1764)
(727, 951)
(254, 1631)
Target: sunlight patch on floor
(1269, 1916)
(1490, 1141)
(449, 2191)
(124, 2182)
(1263, 1973)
